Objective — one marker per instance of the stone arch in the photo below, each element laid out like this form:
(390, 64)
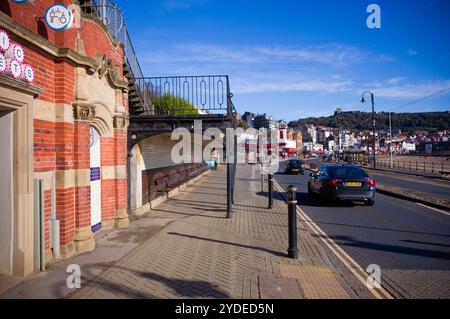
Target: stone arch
(96, 114)
(103, 119)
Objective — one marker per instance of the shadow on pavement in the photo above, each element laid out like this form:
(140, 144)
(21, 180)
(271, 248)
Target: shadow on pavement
(181, 287)
(272, 252)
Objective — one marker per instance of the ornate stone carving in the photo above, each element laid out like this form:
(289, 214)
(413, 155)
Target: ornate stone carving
(104, 65)
(83, 112)
(120, 121)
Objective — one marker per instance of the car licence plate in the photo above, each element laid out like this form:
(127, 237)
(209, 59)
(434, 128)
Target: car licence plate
(353, 184)
(295, 170)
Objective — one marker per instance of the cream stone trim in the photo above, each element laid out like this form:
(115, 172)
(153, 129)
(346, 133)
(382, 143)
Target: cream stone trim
(13, 97)
(63, 113)
(108, 172)
(47, 111)
(46, 177)
(44, 111)
(83, 178)
(20, 86)
(121, 172)
(114, 172)
(65, 179)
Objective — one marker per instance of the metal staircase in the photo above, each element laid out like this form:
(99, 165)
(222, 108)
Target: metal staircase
(112, 18)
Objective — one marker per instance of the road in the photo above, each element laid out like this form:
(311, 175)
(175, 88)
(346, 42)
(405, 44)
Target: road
(436, 188)
(411, 243)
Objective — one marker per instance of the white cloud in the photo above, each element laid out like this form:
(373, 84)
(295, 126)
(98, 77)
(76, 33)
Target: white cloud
(324, 69)
(336, 55)
(395, 80)
(412, 90)
(412, 52)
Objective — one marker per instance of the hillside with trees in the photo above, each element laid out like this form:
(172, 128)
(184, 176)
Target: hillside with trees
(357, 121)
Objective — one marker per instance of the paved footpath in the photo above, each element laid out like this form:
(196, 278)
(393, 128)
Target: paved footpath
(201, 254)
(186, 248)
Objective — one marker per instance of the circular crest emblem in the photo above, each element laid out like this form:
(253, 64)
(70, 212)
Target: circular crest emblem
(58, 17)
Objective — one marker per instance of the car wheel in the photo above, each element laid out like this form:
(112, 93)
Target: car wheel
(310, 192)
(369, 202)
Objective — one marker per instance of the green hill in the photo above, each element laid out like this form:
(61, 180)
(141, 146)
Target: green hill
(407, 122)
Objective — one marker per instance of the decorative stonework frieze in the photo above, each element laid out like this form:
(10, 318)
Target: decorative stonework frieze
(83, 112)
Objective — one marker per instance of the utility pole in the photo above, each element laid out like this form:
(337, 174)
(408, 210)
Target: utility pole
(338, 112)
(390, 140)
(373, 126)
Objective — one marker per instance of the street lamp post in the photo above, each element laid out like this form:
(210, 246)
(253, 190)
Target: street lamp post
(390, 140)
(373, 124)
(338, 122)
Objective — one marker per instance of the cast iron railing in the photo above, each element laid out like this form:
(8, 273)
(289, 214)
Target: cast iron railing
(186, 95)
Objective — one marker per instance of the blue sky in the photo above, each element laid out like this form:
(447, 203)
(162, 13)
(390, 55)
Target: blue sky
(295, 58)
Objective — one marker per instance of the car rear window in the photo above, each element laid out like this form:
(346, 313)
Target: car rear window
(294, 163)
(345, 172)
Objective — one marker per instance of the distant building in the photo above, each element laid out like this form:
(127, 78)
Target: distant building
(434, 148)
(249, 118)
(264, 121)
(298, 137)
(408, 147)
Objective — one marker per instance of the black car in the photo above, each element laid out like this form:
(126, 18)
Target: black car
(294, 166)
(343, 182)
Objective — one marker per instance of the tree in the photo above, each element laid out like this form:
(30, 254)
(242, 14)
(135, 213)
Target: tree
(169, 104)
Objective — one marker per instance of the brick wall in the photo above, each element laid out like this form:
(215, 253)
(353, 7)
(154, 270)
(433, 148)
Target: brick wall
(157, 182)
(63, 146)
(65, 213)
(44, 146)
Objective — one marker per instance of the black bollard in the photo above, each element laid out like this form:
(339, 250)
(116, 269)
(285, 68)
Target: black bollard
(292, 222)
(270, 191)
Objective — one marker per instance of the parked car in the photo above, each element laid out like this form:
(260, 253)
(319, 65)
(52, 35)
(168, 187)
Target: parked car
(294, 166)
(343, 182)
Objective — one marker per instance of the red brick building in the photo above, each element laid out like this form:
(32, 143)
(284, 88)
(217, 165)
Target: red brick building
(66, 133)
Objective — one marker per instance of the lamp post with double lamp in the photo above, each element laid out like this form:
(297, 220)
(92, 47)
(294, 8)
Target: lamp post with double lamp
(363, 100)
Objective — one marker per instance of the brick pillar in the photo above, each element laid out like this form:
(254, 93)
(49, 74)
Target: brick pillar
(65, 191)
(84, 238)
(108, 182)
(120, 154)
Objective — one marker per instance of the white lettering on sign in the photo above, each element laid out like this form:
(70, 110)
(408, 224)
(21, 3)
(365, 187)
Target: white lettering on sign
(15, 68)
(58, 17)
(4, 41)
(3, 63)
(18, 53)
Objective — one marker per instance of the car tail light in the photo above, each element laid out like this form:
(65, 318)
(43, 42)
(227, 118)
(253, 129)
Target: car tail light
(371, 182)
(334, 182)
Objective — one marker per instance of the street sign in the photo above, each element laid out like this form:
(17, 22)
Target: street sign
(58, 17)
